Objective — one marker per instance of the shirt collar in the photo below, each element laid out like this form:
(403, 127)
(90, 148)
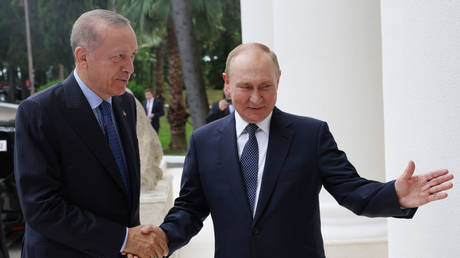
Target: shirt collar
(240, 124)
(93, 99)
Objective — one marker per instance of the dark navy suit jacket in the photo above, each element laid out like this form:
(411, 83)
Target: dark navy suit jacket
(157, 110)
(215, 113)
(302, 156)
(70, 188)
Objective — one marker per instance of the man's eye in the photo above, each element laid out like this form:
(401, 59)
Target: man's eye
(118, 58)
(266, 86)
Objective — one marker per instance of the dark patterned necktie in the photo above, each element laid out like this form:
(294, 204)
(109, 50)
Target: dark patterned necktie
(114, 141)
(250, 164)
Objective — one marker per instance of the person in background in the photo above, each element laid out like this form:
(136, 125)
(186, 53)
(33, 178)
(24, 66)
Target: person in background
(220, 108)
(153, 109)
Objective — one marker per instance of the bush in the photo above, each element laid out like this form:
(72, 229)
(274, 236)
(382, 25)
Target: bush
(137, 90)
(45, 86)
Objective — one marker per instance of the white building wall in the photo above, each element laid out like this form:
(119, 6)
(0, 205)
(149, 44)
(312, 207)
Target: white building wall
(421, 85)
(329, 53)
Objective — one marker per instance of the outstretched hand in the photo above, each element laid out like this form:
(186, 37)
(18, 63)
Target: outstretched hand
(414, 191)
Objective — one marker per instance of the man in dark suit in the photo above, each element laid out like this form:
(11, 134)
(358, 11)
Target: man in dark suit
(76, 152)
(259, 173)
(220, 108)
(153, 109)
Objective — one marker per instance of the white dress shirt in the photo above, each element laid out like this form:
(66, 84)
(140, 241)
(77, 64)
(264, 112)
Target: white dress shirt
(262, 141)
(149, 106)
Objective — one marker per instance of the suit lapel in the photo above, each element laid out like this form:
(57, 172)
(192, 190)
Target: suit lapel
(121, 115)
(280, 138)
(229, 163)
(82, 120)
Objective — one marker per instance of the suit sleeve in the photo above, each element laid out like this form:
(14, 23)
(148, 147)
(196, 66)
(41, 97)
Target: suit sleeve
(38, 177)
(362, 196)
(190, 209)
(159, 111)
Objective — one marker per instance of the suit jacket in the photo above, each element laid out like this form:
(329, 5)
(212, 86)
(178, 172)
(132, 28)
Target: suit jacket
(302, 156)
(215, 113)
(70, 188)
(157, 110)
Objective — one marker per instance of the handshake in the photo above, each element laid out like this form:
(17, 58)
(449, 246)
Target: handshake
(146, 241)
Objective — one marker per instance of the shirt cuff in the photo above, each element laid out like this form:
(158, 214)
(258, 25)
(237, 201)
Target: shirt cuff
(124, 242)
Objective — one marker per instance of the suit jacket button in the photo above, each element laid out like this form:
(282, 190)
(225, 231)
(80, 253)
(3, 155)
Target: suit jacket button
(255, 231)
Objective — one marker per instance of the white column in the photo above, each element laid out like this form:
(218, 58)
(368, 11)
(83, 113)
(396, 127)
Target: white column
(329, 52)
(257, 20)
(330, 57)
(421, 85)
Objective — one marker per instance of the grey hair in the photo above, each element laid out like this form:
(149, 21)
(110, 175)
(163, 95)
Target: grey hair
(84, 30)
(251, 46)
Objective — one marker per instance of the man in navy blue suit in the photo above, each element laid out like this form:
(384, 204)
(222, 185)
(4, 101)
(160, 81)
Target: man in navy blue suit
(259, 173)
(153, 109)
(76, 152)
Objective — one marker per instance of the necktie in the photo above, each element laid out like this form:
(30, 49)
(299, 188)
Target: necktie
(250, 164)
(114, 141)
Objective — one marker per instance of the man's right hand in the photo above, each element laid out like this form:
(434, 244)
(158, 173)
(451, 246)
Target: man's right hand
(151, 244)
(223, 104)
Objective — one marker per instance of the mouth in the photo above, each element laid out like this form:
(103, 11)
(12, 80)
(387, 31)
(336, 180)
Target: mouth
(255, 108)
(123, 80)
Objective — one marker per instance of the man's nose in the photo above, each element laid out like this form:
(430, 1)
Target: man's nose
(256, 98)
(129, 66)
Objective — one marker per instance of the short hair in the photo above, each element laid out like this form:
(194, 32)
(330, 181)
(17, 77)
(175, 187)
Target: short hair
(85, 29)
(251, 46)
(148, 90)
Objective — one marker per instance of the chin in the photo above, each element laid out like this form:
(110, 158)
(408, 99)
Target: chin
(119, 92)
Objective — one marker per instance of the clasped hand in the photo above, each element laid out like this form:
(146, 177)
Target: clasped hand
(146, 241)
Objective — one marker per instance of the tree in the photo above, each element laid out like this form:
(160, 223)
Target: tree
(151, 19)
(217, 45)
(158, 73)
(191, 68)
(29, 49)
(177, 115)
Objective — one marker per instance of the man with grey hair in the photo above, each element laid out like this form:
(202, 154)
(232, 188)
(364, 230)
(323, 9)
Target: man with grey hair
(76, 152)
(262, 188)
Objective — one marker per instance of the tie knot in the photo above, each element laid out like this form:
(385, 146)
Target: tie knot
(105, 107)
(251, 129)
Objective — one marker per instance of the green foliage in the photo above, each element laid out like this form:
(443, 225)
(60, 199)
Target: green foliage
(165, 133)
(217, 26)
(214, 95)
(50, 26)
(47, 85)
(138, 90)
(215, 51)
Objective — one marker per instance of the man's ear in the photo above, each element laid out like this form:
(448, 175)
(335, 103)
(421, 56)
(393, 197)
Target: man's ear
(81, 56)
(278, 81)
(225, 77)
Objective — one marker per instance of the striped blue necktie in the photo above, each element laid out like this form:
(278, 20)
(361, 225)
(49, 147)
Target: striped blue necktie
(250, 164)
(114, 141)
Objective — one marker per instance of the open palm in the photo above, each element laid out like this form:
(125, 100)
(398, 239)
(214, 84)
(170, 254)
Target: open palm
(414, 191)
